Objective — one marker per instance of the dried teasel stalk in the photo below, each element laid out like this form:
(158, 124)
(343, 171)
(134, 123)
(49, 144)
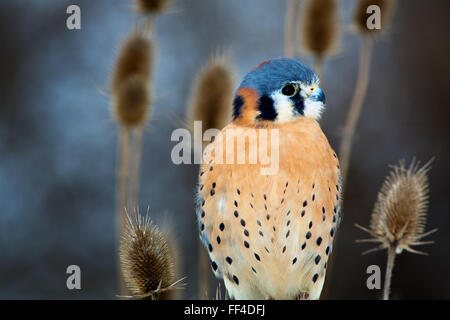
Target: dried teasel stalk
(146, 260)
(319, 30)
(360, 24)
(131, 101)
(210, 102)
(399, 215)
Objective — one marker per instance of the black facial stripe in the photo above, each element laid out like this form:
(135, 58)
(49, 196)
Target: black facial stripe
(237, 105)
(266, 108)
(299, 106)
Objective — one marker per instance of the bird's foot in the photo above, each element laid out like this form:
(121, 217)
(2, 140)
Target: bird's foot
(303, 296)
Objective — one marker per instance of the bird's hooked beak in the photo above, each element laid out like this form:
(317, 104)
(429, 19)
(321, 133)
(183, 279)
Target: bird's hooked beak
(318, 95)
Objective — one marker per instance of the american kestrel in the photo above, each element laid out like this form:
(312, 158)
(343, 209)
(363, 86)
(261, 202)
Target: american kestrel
(269, 234)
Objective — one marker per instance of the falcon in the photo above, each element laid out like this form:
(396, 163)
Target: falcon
(269, 233)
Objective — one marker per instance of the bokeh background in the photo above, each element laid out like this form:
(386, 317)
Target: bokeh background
(58, 140)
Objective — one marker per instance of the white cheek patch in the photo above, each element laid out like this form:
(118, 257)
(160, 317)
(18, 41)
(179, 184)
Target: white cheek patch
(313, 109)
(283, 106)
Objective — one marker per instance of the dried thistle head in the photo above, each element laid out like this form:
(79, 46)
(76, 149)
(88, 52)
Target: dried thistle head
(130, 81)
(360, 15)
(319, 27)
(212, 94)
(399, 215)
(146, 261)
(152, 7)
(131, 101)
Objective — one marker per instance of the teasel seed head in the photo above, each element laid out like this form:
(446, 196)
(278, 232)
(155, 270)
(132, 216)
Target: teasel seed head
(131, 80)
(146, 260)
(319, 27)
(152, 7)
(212, 94)
(399, 215)
(360, 15)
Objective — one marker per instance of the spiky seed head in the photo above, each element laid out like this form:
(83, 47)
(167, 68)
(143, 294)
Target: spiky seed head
(360, 15)
(212, 94)
(319, 27)
(152, 7)
(399, 215)
(130, 81)
(131, 102)
(135, 58)
(145, 258)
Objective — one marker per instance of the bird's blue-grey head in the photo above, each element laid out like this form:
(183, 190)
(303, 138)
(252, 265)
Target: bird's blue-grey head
(279, 90)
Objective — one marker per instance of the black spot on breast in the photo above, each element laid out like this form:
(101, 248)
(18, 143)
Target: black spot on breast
(268, 217)
(327, 251)
(266, 108)
(288, 213)
(235, 279)
(294, 261)
(235, 203)
(332, 232)
(253, 269)
(287, 233)
(308, 235)
(203, 203)
(229, 260)
(236, 214)
(213, 192)
(201, 173)
(319, 241)
(288, 223)
(261, 234)
(243, 222)
(246, 244)
(303, 213)
(210, 248)
(303, 245)
(221, 226)
(313, 197)
(257, 257)
(323, 210)
(202, 214)
(238, 191)
(218, 240)
(258, 222)
(310, 224)
(213, 185)
(238, 102)
(246, 233)
(317, 260)
(265, 197)
(314, 278)
(211, 168)
(201, 187)
(305, 203)
(202, 227)
(284, 249)
(214, 265)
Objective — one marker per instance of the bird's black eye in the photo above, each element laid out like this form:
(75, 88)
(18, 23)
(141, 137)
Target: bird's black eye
(289, 89)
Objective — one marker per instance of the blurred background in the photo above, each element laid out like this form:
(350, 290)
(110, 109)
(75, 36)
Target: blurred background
(58, 140)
